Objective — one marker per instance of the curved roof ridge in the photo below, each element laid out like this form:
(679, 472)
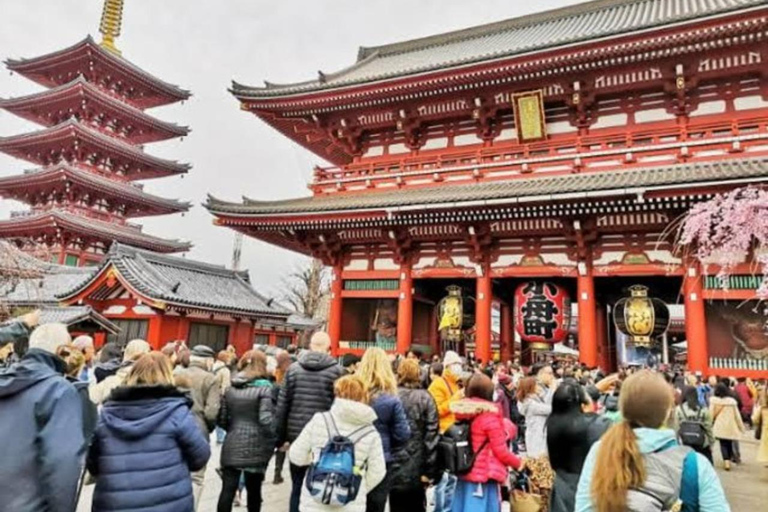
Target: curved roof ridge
(125, 250)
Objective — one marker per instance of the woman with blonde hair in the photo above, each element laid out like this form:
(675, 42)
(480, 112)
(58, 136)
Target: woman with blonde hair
(638, 464)
(75, 361)
(247, 414)
(146, 443)
(351, 417)
(391, 422)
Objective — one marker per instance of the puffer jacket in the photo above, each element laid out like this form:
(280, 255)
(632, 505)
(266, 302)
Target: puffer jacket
(419, 455)
(487, 429)
(445, 390)
(248, 414)
(307, 389)
(146, 443)
(42, 451)
(100, 392)
(391, 422)
(348, 416)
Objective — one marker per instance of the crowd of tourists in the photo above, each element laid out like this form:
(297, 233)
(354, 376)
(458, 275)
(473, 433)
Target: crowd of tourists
(444, 434)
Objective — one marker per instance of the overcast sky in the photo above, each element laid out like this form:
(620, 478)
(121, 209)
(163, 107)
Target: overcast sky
(201, 45)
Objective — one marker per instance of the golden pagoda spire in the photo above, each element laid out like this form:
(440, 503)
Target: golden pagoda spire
(111, 20)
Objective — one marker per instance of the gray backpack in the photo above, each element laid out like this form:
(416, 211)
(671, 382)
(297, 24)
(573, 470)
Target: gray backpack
(671, 484)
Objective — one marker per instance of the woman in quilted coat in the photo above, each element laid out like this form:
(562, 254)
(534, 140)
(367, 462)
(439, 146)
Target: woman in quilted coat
(479, 489)
(146, 444)
(247, 415)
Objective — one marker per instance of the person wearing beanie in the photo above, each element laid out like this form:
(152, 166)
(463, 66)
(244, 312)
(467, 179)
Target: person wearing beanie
(41, 416)
(133, 351)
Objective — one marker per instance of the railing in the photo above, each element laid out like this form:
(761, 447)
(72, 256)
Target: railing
(571, 149)
(731, 363)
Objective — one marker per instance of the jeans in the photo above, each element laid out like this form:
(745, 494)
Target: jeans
(726, 450)
(412, 500)
(736, 452)
(230, 482)
(297, 481)
(444, 491)
(376, 500)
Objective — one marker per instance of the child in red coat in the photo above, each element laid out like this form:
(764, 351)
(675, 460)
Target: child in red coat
(479, 490)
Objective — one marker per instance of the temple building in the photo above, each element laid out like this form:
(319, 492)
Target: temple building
(89, 151)
(527, 176)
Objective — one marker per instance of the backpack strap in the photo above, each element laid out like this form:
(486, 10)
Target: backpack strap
(689, 486)
(448, 385)
(330, 425)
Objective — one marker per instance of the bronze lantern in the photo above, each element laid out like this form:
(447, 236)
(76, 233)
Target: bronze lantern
(641, 317)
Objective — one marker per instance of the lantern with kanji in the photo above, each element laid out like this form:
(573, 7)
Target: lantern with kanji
(542, 313)
(641, 317)
(451, 315)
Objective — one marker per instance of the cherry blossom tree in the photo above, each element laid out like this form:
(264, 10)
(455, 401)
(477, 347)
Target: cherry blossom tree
(727, 229)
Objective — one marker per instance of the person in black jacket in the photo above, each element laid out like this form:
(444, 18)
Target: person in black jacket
(307, 390)
(415, 465)
(247, 414)
(570, 434)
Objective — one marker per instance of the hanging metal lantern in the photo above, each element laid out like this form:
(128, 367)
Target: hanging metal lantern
(542, 313)
(640, 317)
(451, 311)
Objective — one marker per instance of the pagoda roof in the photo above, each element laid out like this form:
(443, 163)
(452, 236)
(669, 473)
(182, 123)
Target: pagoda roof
(583, 22)
(79, 318)
(59, 220)
(35, 145)
(524, 190)
(88, 57)
(181, 282)
(62, 174)
(42, 107)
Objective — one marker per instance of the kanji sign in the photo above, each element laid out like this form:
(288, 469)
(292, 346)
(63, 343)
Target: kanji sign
(542, 312)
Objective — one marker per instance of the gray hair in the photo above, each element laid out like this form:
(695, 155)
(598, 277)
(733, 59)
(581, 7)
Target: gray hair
(48, 337)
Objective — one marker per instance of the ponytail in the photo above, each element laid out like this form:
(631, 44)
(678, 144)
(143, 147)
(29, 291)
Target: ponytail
(619, 467)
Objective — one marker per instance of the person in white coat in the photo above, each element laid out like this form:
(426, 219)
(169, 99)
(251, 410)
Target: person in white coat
(534, 401)
(350, 412)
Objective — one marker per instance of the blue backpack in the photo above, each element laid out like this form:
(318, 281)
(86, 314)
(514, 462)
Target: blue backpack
(334, 478)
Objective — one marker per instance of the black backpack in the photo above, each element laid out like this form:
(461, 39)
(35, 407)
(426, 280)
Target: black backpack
(692, 431)
(455, 449)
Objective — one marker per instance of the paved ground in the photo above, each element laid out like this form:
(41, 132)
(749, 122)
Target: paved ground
(746, 485)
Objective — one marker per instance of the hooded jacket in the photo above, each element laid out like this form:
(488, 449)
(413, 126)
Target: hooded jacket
(206, 395)
(419, 455)
(445, 390)
(711, 495)
(145, 445)
(248, 415)
(348, 416)
(307, 389)
(42, 423)
(489, 441)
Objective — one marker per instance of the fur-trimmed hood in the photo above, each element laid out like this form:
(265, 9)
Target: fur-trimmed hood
(468, 408)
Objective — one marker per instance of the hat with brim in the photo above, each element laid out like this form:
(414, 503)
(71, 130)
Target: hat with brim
(202, 351)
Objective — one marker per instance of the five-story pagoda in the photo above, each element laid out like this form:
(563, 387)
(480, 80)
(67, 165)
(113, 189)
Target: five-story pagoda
(90, 151)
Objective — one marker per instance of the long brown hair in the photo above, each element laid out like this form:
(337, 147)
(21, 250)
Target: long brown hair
(645, 401)
(253, 364)
(525, 388)
(151, 369)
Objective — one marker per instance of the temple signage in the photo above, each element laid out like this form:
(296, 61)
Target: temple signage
(529, 116)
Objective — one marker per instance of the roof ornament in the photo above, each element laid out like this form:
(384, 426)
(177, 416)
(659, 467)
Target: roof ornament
(111, 21)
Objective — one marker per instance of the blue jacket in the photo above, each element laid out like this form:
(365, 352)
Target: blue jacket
(391, 423)
(711, 495)
(146, 443)
(42, 451)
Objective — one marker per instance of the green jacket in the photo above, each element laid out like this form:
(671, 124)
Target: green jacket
(683, 412)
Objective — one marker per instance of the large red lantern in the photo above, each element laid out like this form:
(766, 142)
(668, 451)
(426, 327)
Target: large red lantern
(542, 313)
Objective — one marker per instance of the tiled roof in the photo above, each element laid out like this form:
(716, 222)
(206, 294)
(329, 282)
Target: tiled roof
(186, 283)
(79, 224)
(37, 68)
(74, 315)
(582, 22)
(64, 171)
(542, 188)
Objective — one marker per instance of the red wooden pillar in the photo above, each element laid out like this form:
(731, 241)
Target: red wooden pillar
(405, 310)
(182, 328)
(507, 339)
(585, 284)
(335, 313)
(483, 305)
(62, 256)
(272, 339)
(695, 319)
(154, 331)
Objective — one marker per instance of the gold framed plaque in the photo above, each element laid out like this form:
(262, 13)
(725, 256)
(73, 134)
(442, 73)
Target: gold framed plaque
(529, 116)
